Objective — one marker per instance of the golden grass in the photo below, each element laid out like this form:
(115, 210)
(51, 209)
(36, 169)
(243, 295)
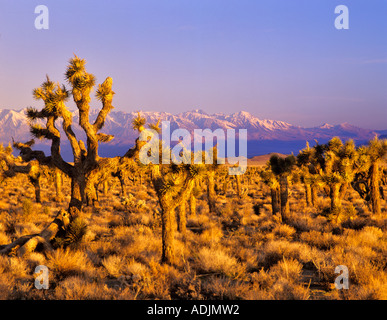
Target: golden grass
(233, 254)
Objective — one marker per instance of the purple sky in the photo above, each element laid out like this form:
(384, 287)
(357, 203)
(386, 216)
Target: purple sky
(281, 60)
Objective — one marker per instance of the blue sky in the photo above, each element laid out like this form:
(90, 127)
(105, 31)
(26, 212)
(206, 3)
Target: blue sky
(281, 60)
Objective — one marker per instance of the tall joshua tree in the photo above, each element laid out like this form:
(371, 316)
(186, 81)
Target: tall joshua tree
(212, 169)
(271, 181)
(86, 161)
(337, 168)
(282, 167)
(309, 162)
(368, 174)
(173, 184)
(54, 96)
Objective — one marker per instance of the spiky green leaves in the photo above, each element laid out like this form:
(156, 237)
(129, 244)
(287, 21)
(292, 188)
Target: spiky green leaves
(81, 81)
(105, 91)
(75, 69)
(39, 132)
(280, 165)
(53, 95)
(155, 126)
(75, 232)
(138, 123)
(377, 149)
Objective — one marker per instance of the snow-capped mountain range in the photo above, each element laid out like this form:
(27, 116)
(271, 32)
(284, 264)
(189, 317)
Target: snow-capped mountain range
(13, 123)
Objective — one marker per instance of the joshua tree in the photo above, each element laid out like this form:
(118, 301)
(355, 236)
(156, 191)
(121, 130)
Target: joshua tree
(87, 162)
(282, 167)
(368, 176)
(309, 162)
(173, 184)
(196, 191)
(337, 161)
(271, 181)
(54, 96)
(211, 170)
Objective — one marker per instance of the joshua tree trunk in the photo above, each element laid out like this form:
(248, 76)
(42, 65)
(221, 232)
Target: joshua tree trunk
(182, 225)
(36, 183)
(335, 197)
(314, 196)
(308, 194)
(211, 195)
(58, 185)
(275, 201)
(122, 183)
(343, 190)
(168, 235)
(77, 193)
(375, 190)
(284, 194)
(168, 203)
(105, 188)
(192, 205)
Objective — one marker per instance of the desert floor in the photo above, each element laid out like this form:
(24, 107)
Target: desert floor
(235, 253)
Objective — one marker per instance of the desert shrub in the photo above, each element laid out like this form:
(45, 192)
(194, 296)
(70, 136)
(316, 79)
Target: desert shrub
(114, 265)
(14, 267)
(288, 269)
(212, 234)
(224, 288)
(162, 278)
(188, 287)
(284, 231)
(79, 288)
(75, 233)
(35, 259)
(217, 261)
(275, 250)
(262, 279)
(27, 209)
(321, 240)
(283, 289)
(66, 262)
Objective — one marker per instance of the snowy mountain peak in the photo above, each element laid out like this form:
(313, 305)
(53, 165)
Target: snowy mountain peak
(326, 126)
(13, 123)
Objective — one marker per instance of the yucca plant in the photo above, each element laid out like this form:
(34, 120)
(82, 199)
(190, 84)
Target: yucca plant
(74, 234)
(173, 184)
(282, 167)
(87, 167)
(369, 172)
(271, 181)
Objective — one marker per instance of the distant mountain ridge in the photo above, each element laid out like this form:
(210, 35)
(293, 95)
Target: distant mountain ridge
(13, 123)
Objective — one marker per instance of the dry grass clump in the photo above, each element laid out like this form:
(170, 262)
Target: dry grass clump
(211, 260)
(275, 250)
(289, 269)
(284, 289)
(66, 262)
(224, 288)
(284, 231)
(78, 288)
(281, 282)
(320, 240)
(114, 265)
(212, 234)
